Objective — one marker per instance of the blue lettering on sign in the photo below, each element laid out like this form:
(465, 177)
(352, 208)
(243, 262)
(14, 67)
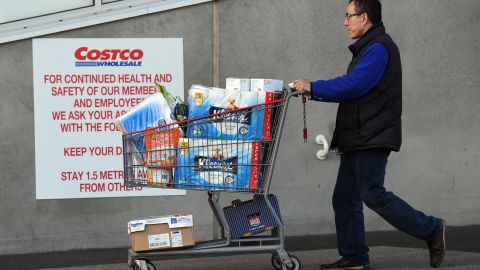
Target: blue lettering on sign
(108, 64)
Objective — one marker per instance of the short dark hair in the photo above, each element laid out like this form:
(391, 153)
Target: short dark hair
(372, 7)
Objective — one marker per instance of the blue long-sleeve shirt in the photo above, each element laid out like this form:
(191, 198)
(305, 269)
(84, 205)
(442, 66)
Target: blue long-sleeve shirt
(363, 78)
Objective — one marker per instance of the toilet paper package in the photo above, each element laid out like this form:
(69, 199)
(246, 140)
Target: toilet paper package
(238, 84)
(241, 125)
(200, 100)
(218, 164)
(151, 112)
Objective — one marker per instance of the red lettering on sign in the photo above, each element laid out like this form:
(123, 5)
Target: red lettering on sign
(83, 53)
(74, 151)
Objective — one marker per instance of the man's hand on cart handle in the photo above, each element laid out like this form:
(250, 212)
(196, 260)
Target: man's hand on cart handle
(301, 84)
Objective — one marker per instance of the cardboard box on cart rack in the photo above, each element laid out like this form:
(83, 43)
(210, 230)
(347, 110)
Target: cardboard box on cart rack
(252, 217)
(161, 233)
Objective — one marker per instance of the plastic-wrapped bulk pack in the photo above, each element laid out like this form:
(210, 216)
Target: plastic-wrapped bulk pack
(227, 122)
(218, 164)
(151, 112)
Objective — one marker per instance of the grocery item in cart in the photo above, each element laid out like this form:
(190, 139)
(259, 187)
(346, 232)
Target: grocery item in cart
(160, 233)
(151, 112)
(176, 104)
(218, 164)
(251, 217)
(227, 126)
(213, 165)
(268, 90)
(238, 84)
(159, 177)
(161, 147)
(200, 100)
(228, 123)
(266, 112)
(266, 85)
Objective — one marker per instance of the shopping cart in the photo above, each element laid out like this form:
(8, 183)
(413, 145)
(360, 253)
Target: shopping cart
(219, 161)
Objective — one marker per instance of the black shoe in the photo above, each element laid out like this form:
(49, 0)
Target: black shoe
(437, 246)
(345, 265)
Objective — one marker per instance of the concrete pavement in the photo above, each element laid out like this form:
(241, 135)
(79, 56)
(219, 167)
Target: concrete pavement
(388, 250)
(381, 257)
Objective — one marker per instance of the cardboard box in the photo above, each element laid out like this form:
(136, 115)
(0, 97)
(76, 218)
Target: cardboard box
(238, 84)
(251, 217)
(266, 85)
(161, 233)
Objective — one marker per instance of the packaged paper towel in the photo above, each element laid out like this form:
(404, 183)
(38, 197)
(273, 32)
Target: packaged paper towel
(152, 111)
(218, 164)
(240, 125)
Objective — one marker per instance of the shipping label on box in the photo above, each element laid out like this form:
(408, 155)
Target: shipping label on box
(176, 238)
(158, 240)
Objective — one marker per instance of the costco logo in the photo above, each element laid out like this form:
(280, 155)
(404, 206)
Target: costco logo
(108, 58)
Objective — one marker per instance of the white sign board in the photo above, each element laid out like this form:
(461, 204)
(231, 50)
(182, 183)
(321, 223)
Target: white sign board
(80, 87)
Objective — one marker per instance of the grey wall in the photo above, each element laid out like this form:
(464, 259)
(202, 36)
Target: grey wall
(437, 168)
(436, 171)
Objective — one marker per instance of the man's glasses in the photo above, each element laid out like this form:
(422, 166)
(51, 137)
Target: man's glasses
(348, 15)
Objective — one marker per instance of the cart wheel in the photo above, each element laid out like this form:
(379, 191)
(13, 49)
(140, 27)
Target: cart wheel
(276, 262)
(295, 264)
(150, 265)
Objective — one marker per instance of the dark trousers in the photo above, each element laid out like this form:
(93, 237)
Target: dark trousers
(360, 179)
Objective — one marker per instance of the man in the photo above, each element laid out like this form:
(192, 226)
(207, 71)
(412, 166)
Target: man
(368, 128)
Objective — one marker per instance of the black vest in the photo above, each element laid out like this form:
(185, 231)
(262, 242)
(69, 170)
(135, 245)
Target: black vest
(372, 121)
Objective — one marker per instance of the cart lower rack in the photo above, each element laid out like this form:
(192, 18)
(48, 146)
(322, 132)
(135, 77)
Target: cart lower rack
(228, 151)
